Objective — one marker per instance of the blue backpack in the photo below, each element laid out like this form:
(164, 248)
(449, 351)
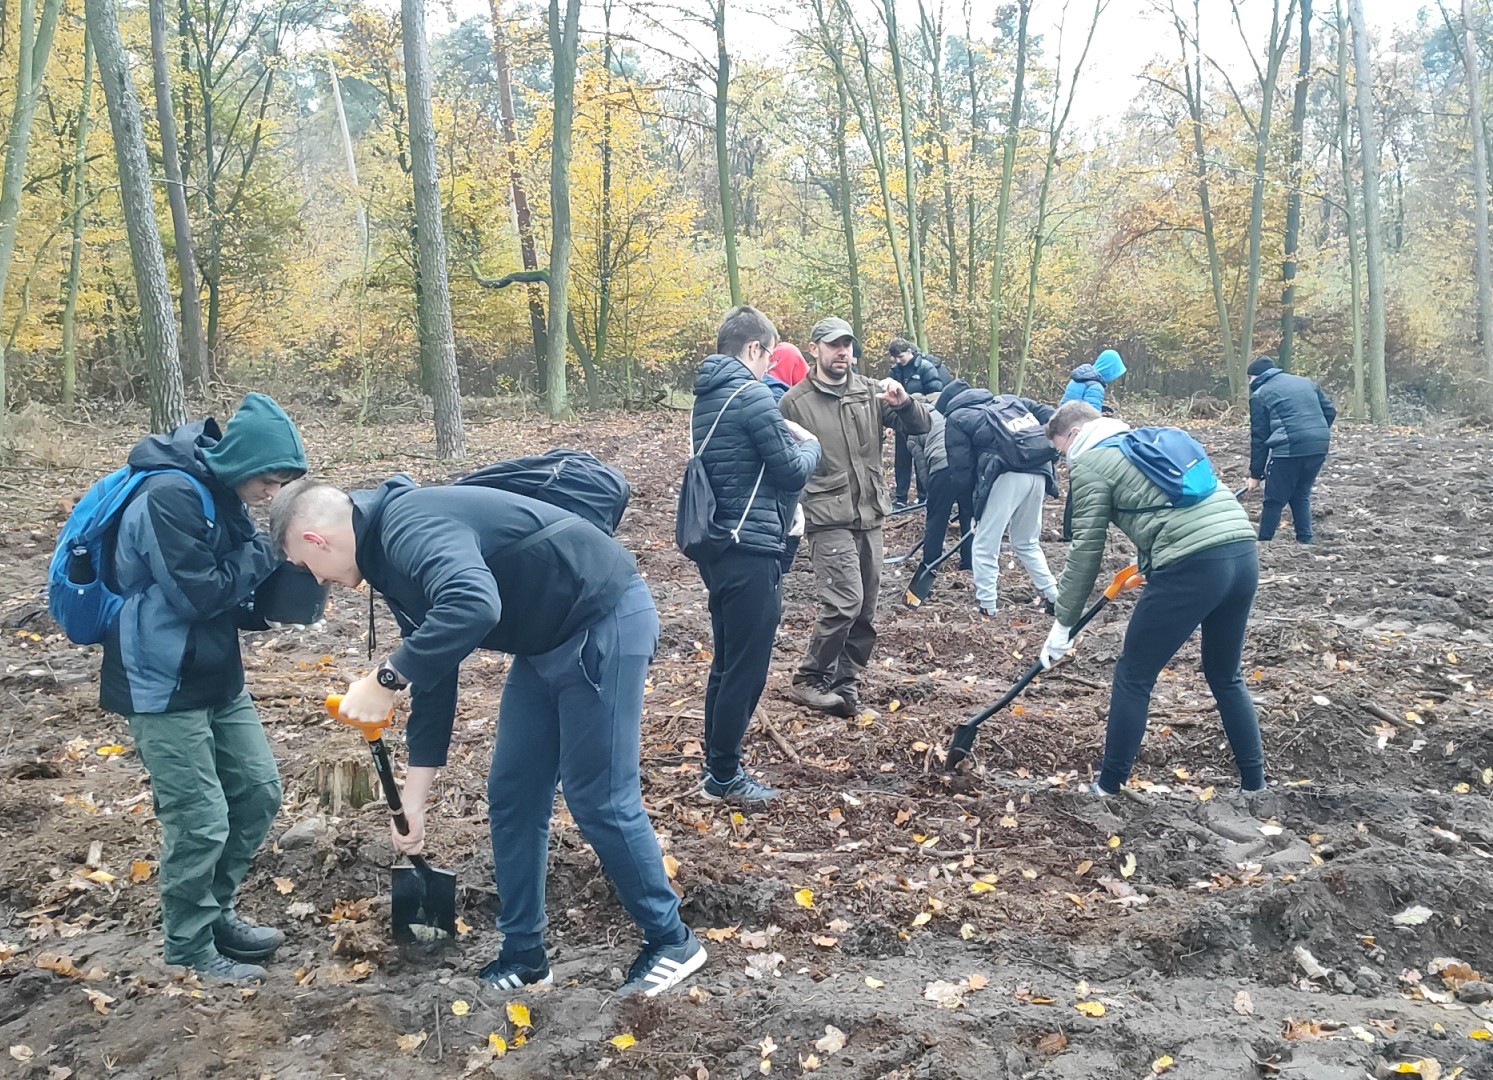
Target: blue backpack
(1172, 460)
(77, 595)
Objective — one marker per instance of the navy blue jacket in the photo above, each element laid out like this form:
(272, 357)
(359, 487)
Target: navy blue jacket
(440, 556)
(971, 446)
(751, 438)
(184, 579)
(919, 375)
(1289, 416)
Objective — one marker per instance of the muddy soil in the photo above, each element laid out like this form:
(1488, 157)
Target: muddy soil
(885, 919)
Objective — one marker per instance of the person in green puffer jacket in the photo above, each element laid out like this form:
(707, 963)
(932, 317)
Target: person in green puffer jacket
(1201, 570)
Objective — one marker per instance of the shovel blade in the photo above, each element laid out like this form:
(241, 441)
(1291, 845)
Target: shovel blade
(921, 586)
(422, 904)
(960, 746)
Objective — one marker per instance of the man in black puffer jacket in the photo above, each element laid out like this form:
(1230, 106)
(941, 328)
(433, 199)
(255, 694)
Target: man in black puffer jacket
(758, 461)
(1290, 421)
(918, 373)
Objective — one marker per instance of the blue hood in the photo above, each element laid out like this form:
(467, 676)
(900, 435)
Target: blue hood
(1109, 366)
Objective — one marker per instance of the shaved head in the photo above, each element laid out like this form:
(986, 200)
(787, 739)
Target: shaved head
(311, 524)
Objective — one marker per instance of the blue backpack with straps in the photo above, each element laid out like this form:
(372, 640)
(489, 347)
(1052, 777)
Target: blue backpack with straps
(78, 596)
(1172, 460)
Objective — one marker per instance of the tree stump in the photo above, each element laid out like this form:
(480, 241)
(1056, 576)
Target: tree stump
(346, 780)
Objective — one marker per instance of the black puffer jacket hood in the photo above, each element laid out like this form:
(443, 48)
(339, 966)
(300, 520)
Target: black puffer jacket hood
(961, 395)
(750, 449)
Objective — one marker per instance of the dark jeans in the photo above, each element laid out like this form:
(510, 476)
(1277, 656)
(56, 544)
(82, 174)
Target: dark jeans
(1213, 589)
(940, 504)
(573, 714)
(902, 466)
(1289, 483)
(746, 601)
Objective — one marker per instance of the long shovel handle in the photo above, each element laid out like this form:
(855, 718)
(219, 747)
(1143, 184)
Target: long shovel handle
(373, 734)
(914, 508)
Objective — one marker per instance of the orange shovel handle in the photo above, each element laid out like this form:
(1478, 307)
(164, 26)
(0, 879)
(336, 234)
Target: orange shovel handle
(372, 730)
(1128, 578)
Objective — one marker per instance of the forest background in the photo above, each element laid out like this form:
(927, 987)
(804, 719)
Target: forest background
(940, 169)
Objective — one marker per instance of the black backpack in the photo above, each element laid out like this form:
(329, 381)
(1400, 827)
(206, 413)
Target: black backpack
(1016, 435)
(570, 479)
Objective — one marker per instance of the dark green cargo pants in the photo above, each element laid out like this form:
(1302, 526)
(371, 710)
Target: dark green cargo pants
(216, 790)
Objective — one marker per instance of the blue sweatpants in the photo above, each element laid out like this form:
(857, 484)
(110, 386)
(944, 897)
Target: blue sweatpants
(1214, 589)
(573, 714)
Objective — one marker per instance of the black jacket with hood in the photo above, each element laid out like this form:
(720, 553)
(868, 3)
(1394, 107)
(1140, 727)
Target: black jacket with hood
(1289, 416)
(442, 558)
(185, 579)
(970, 442)
(751, 439)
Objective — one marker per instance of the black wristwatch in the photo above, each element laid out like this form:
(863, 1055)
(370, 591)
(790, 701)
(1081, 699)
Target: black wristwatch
(389, 679)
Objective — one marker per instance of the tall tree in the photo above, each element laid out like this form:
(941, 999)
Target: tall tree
(1280, 36)
(1057, 121)
(931, 27)
(75, 249)
(193, 344)
(157, 320)
(909, 175)
(34, 46)
(564, 44)
(847, 207)
(1003, 205)
(433, 291)
(1480, 187)
(1373, 222)
(1350, 213)
(722, 148)
(527, 250)
(1293, 194)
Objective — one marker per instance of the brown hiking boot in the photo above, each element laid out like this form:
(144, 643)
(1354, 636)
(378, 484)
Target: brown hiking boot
(815, 696)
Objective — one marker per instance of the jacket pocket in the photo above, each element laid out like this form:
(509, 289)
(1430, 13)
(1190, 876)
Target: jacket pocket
(826, 500)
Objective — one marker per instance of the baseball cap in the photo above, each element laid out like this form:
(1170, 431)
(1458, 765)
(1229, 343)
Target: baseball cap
(831, 329)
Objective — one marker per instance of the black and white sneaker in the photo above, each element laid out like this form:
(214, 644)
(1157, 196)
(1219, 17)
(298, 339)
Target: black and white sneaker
(519, 969)
(660, 967)
(740, 790)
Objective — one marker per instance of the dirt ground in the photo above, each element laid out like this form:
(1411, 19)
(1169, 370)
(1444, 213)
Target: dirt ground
(885, 919)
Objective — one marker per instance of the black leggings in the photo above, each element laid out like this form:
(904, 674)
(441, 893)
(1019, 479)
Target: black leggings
(1214, 589)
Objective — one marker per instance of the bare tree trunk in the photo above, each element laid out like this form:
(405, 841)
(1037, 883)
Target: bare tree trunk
(1055, 128)
(932, 30)
(75, 251)
(1003, 206)
(910, 178)
(526, 245)
(1373, 223)
(722, 149)
(847, 212)
(1280, 34)
(604, 248)
(564, 43)
(347, 152)
(1350, 216)
(1480, 185)
(34, 47)
(1293, 197)
(433, 301)
(971, 276)
(157, 321)
(193, 345)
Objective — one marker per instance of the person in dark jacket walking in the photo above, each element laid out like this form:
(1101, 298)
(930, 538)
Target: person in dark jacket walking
(757, 461)
(931, 461)
(1201, 571)
(1290, 421)
(465, 568)
(172, 667)
(1005, 497)
(918, 373)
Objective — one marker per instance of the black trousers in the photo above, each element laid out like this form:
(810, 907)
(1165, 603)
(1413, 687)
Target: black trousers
(940, 504)
(902, 471)
(746, 602)
(1289, 482)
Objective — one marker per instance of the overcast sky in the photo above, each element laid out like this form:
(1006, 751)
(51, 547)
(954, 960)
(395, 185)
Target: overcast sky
(1129, 38)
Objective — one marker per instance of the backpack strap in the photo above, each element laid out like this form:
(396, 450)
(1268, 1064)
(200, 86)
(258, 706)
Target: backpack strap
(736, 532)
(696, 453)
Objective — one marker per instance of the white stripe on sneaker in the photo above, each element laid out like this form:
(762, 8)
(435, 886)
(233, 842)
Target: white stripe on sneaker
(667, 972)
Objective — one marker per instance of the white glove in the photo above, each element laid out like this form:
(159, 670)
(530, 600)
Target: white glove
(1059, 642)
(797, 528)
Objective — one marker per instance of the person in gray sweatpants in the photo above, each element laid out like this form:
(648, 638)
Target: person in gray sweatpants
(1014, 508)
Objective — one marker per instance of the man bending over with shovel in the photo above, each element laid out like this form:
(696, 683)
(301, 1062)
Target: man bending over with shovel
(464, 568)
(1201, 570)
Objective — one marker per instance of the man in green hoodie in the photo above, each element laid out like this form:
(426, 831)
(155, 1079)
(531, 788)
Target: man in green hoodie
(173, 669)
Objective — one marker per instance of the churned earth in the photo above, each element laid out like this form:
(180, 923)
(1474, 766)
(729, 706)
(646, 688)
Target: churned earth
(885, 919)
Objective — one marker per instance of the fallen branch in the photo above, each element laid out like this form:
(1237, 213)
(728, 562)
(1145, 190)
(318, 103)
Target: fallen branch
(1380, 713)
(783, 744)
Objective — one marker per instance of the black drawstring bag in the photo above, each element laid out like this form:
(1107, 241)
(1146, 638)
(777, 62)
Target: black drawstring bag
(695, 530)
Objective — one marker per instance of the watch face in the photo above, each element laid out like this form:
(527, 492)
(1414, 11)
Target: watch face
(388, 679)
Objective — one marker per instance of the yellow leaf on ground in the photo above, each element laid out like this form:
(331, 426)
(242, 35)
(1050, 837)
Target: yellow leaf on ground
(1462, 789)
(1090, 1008)
(922, 918)
(1085, 866)
(139, 871)
(671, 867)
(411, 1042)
(497, 1045)
(623, 1041)
(978, 981)
(111, 750)
(462, 926)
(102, 877)
(721, 933)
(1207, 793)
(967, 931)
(874, 984)
(1113, 842)
(825, 941)
(1425, 1068)
(460, 1008)
(1162, 1064)
(1128, 866)
(99, 1000)
(981, 887)
(1481, 1034)
(804, 898)
(518, 1015)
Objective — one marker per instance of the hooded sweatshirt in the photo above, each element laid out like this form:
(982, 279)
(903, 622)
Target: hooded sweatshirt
(972, 443)
(1102, 480)
(445, 560)
(1087, 381)
(185, 578)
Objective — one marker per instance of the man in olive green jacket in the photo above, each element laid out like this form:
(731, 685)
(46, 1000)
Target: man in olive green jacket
(845, 504)
(1201, 570)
